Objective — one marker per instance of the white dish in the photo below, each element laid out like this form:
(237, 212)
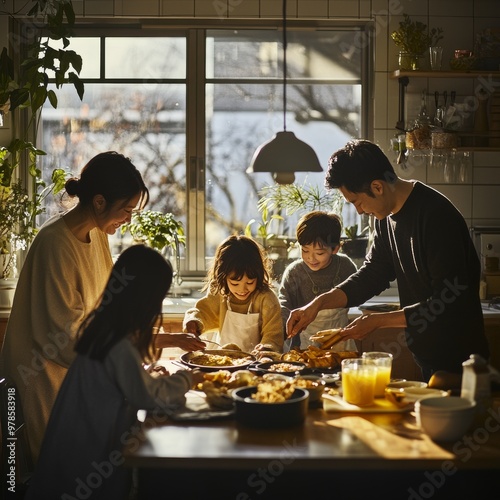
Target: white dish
(403, 384)
(412, 394)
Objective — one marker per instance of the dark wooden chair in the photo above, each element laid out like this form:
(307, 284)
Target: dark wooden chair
(17, 463)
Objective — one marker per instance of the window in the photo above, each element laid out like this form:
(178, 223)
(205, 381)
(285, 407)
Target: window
(189, 107)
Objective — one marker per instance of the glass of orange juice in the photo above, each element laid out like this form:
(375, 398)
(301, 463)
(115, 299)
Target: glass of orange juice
(358, 381)
(383, 362)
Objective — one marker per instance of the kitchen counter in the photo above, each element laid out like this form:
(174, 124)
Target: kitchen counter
(176, 306)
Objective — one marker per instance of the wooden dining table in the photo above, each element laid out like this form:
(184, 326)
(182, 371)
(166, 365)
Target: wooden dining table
(336, 453)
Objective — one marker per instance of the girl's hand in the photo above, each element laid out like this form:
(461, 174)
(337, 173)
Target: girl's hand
(198, 377)
(157, 371)
(193, 327)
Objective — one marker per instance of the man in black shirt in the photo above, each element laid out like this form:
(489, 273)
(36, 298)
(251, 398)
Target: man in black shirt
(423, 242)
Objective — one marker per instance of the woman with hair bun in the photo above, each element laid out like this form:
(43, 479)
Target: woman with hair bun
(62, 280)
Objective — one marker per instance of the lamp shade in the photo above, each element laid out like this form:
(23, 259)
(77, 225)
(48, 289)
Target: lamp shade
(283, 155)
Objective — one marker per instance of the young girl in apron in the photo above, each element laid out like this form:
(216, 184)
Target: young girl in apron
(240, 306)
(319, 270)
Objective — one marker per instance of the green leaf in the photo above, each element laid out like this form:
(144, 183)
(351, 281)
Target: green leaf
(78, 84)
(38, 98)
(19, 97)
(52, 98)
(75, 60)
(59, 177)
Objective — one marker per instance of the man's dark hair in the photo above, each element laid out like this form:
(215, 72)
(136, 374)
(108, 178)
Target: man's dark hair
(356, 165)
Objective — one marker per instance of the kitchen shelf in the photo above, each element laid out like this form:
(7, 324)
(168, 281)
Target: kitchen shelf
(403, 78)
(444, 74)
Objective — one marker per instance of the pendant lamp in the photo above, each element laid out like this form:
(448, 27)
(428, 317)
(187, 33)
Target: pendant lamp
(284, 154)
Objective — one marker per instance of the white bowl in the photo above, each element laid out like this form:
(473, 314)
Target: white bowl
(445, 419)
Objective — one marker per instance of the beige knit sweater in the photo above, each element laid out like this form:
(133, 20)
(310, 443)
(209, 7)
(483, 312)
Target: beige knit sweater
(61, 281)
(210, 312)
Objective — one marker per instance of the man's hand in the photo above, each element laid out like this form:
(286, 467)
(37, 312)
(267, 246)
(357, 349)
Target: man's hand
(302, 317)
(299, 319)
(363, 325)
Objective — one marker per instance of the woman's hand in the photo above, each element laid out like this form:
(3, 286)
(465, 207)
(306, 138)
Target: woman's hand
(186, 341)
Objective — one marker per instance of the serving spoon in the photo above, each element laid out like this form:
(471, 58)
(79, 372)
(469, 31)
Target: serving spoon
(210, 341)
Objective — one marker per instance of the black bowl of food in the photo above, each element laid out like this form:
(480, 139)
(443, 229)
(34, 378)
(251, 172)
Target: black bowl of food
(290, 368)
(267, 411)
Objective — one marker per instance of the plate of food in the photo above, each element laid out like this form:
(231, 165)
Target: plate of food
(218, 359)
(282, 367)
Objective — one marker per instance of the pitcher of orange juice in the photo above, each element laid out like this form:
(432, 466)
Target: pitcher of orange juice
(358, 381)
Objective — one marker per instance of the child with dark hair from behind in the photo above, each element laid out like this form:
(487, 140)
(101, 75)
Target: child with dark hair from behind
(320, 269)
(96, 408)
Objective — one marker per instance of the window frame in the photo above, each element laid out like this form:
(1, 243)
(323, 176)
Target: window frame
(195, 262)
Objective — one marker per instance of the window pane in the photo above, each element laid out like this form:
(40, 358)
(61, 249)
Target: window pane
(145, 57)
(251, 53)
(324, 95)
(147, 124)
(237, 126)
(89, 49)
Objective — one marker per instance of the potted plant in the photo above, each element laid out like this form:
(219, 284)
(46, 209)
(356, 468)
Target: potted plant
(25, 86)
(18, 212)
(156, 229)
(355, 243)
(413, 41)
(161, 232)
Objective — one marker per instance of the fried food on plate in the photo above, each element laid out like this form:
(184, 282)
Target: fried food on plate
(313, 357)
(327, 338)
(217, 396)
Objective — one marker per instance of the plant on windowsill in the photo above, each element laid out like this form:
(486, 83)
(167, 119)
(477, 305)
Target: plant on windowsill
(413, 41)
(156, 230)
(24, 85)
(278, 200)
(355, 243)
(18, 212)
(161, 232)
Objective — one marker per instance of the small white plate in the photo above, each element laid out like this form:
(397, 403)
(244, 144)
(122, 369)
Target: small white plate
(413, 394)
(403, 384)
